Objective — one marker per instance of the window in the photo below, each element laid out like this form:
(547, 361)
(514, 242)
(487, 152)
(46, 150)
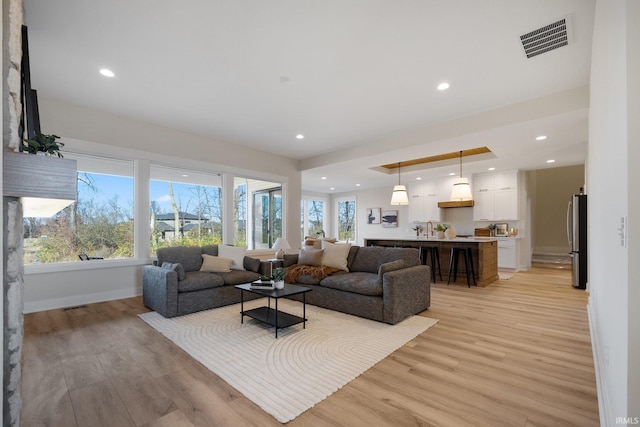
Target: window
(346, 217)
(99, 224)
(257, 207)
(186, 208)
(312, 212)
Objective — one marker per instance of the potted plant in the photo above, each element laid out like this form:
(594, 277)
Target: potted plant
(42, 143)
(278, 277)
(418, 229)
(492, 229)
(440, 229)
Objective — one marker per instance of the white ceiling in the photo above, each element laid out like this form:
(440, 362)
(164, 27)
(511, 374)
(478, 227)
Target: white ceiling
(358, 78)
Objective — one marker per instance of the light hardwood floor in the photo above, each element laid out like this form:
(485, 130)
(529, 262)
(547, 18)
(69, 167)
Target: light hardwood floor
(516, 353)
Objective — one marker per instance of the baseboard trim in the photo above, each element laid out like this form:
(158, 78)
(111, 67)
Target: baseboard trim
(603, 400)
(75, 300)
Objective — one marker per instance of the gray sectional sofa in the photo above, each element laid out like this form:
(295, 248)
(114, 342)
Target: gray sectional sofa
(383, 284)
(180, 287)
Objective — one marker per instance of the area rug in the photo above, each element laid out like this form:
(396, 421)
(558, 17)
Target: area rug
(288, 375)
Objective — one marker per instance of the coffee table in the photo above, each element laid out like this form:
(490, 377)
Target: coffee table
(271, 316)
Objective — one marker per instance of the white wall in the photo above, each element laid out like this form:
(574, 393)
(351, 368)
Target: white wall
(377, 198)
(97, 132)
(612, 190)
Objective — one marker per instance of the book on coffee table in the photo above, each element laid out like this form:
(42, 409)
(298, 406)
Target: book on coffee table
(259, 284)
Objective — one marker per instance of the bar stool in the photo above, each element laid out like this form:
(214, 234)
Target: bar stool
(433, 254)
(468, 264)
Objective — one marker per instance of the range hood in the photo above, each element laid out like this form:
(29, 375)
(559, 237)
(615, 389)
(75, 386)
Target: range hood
(456, 204)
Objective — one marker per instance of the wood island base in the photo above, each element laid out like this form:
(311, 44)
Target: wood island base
(484, 255)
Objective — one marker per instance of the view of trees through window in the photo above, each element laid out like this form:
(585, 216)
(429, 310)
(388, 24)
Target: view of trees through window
(186, 208)
(313, 222)
(99, 224)
(346, 219)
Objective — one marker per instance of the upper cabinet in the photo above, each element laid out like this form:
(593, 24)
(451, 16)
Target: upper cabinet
(423, 201)
(495, 196)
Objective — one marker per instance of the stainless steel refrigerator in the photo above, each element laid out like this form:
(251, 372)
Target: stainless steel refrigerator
(577, 235)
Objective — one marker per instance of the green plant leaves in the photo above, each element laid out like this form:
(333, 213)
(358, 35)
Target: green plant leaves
(42, 143)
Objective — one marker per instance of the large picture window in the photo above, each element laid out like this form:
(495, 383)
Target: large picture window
(98, 225)
(186, 208)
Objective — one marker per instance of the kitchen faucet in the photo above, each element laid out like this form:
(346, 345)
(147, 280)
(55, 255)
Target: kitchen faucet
(429, 223)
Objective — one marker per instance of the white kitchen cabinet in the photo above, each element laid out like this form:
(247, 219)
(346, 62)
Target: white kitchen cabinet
(423, 202)
(506, 205)
(483, 205)
(495, 196)
(507, 254)
(416, 202)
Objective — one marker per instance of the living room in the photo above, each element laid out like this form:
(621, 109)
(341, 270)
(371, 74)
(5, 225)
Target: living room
(90, 129)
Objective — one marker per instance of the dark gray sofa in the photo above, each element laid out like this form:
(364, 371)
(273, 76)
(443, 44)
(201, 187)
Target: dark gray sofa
(165, 292)
(383, 284)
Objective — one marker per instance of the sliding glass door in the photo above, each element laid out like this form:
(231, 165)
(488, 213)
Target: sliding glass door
(267, 217)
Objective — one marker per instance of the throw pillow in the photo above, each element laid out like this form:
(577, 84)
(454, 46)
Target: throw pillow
(252, 264)
(236, 253)
(215, 264)
(335, 255)
(311, 257)
(177, 267)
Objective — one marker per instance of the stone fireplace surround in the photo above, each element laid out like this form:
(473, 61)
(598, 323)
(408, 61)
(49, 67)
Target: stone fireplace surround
(12, 249)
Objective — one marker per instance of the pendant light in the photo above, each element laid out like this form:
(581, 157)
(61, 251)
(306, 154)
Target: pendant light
(461, 188)
(399, 196)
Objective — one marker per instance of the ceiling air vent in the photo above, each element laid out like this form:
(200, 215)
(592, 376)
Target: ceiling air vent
(545, 39)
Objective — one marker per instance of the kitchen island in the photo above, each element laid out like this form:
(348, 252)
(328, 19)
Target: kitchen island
(484, 254)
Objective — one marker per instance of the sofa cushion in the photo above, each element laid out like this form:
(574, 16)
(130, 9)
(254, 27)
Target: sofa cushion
(311, 257)
(189, 256)
(352, 255)
(356, 282)
(409, 255)
(236, 253)
(289, 259)
(175, 266)
(251, 264)
(237, 277)
(198, 280)
(210, 250)
(335, 255)
(305, 279)
(215, 264)
(368, 259)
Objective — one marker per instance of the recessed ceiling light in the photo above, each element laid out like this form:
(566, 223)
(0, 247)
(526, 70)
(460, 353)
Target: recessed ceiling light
(299, 136)
(323, 177)
(551, 161)
(332, 188)
(443, 86)
(452, 174)
(107, 73)
(357, 185)
(184, 175)
(418, 178)
(541, 137)
(492, 169)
